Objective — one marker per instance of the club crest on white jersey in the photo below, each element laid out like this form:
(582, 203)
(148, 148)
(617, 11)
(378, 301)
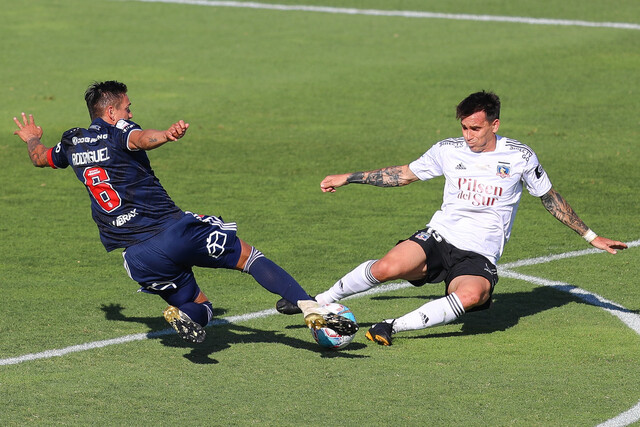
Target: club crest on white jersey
(482, 191)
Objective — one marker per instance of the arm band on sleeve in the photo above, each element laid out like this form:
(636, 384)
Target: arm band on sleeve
(589, 236)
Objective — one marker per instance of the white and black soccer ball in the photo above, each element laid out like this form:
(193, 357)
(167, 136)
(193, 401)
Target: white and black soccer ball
(327, 337)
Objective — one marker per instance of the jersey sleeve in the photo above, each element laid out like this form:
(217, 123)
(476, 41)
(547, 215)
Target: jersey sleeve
(535, 178)
(126, 127)
(56, 157)
(428, 165)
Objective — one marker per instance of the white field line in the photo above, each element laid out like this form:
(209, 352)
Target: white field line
(624, 419)
(629, 318)
(404, 14)
(632, 320)
(127, 338)
(549, 258)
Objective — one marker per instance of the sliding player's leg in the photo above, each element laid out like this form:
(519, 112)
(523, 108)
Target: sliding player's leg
(275, 279)
(406, 260)
(189, 310)
(473, 290)
(469, 286)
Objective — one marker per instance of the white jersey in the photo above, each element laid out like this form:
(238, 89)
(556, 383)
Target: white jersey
(481, 191)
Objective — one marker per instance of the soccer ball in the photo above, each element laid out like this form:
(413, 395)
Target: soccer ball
(329, 338)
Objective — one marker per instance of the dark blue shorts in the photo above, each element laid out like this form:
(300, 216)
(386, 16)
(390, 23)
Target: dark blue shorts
(163, 263)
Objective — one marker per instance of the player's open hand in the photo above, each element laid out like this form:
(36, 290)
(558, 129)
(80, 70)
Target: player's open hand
(177, 130)
(331, 182)
(27, 129)
(608, 244)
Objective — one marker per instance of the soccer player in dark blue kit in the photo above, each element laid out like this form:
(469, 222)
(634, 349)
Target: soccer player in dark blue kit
(133, 211)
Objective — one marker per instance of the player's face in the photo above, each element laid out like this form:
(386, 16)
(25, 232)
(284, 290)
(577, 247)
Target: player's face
(479, 134)
(122, 110)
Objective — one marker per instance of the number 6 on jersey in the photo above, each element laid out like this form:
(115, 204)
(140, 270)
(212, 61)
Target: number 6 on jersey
(97, 181)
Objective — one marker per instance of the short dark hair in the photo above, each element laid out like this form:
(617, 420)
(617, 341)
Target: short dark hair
(488, 102)
(102, 94)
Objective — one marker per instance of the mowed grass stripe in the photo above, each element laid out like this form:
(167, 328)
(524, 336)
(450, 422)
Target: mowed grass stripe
(632, 320)
(405, 14)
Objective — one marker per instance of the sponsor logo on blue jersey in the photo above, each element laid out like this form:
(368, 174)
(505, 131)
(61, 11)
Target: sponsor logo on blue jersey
(88, 140)
(124, 218)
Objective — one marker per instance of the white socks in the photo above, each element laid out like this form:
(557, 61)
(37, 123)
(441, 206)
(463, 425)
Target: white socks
(358, 280)
(434, 313)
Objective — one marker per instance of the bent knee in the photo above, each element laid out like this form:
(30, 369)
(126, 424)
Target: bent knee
(382, 270)
(385, 270)
(476, 300)
(470, 298)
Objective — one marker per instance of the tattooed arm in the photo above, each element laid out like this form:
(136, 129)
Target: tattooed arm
(31, 133)
(392, 176)
(560, 208)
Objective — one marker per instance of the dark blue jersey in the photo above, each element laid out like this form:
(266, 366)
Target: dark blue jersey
(128, 203)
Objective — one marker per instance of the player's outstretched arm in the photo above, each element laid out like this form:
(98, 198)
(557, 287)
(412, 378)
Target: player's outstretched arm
(392, 176)
(560, 208)
(149, 139)
(31, 134)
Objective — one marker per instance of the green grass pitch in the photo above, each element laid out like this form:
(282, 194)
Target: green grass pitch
(277, 100)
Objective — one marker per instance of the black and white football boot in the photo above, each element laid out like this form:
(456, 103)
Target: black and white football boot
(185, 327)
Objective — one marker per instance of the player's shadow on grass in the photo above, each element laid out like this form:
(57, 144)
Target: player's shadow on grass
(114, 312)
(221, 335)
(507, 309)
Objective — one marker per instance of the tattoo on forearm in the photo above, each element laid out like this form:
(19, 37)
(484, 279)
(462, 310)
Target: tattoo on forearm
(356, 178)
(385, 177)
(32, 143)
(558, 207)
(37, 152)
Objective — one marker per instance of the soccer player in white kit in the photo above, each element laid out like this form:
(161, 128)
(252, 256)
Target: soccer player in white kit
(484, 176)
